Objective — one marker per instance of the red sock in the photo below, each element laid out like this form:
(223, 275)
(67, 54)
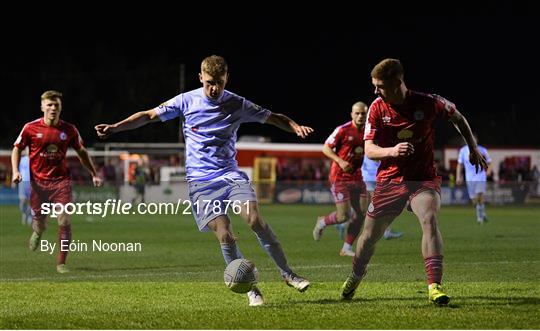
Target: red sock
(353, 230)
(330, 218)
(434, 269)
(64, 233)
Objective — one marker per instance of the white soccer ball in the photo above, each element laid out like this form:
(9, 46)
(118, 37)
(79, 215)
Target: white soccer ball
(240, 275)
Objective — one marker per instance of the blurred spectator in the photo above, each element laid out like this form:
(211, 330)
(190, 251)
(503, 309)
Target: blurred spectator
(535, 174)
(141, 177)
(108, 172)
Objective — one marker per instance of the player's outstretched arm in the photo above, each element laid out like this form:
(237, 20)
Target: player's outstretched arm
(375, 152)
(16, 176)
(463, 127)
(86, 161)
(286, 124)
(134, 121)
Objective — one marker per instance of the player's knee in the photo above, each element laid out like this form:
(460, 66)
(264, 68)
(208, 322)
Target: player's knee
(255, 222)
(428, 220)
(64, 220)
(343, 217)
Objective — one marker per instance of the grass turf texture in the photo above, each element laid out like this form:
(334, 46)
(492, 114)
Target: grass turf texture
(491, 275)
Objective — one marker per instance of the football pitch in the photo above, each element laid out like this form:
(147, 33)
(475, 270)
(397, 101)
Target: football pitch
(491, 274)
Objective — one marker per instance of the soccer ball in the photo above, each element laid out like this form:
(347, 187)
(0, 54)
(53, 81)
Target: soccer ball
(240, 275)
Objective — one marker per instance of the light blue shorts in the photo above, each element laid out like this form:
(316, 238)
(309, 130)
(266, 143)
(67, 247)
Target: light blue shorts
(475, 187)
(24, 190)
(370, 185)
(219, 196)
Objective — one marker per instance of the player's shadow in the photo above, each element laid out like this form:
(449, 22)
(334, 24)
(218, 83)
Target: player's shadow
(458, 302)
(338, 301)
(178, 267)
(500, 301)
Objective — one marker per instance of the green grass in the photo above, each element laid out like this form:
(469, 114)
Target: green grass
(491, 273)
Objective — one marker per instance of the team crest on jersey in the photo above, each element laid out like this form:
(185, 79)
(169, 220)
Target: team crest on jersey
(386, 119)
(405, 134)
(63, 136)
(359, 150)
(418, 115)
(52, 148)
(39, 135)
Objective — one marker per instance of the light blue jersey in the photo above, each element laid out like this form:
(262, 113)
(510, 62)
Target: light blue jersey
(470, 171)
(476, 182)
(210, 130)
(369, 172)
(24, 185)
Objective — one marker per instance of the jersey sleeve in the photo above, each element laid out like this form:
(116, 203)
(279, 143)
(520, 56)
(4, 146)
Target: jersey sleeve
(486, 154)
(172, 108)
(254, 113)
(23, 139)
(76, 141)
(333, 141)
(372, 122)
(443, 107)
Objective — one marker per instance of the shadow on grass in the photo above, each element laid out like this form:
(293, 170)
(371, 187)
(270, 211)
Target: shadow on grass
(178, 268)
(458, 302)
(500, 301)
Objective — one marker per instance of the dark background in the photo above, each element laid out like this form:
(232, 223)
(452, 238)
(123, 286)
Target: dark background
(312, 71)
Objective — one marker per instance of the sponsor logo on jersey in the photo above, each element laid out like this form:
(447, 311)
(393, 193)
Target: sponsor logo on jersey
(52, 148)
(63, 136)
(405, 134)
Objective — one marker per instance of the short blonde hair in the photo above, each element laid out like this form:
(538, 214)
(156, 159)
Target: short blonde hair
(50, 95)
(214, 65)
(388, 69)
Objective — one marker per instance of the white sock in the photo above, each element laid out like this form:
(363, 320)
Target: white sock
(346, 247)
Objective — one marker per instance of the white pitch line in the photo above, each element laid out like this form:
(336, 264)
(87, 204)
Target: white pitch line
(162, 274)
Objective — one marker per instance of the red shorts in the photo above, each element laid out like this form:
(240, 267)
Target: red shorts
(342, 191)
(48, 191)
(389, 197)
